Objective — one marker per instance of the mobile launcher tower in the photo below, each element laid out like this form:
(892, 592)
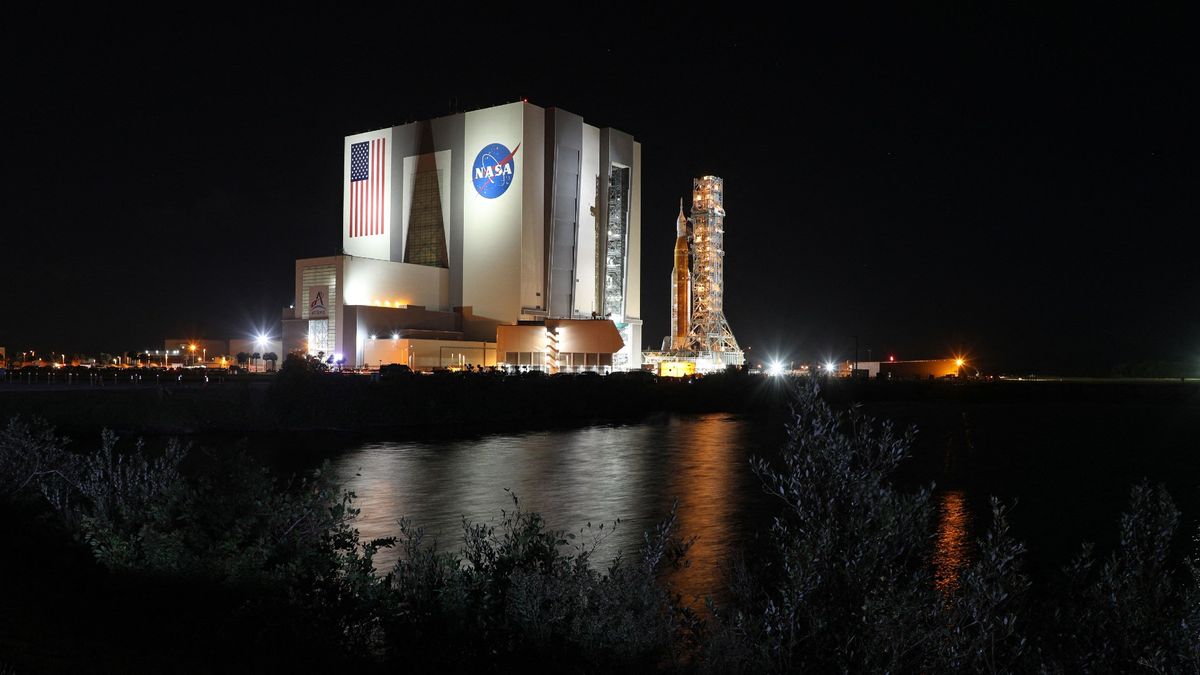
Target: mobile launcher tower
(710, 336)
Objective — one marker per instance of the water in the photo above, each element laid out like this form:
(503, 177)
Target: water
(1067, 466)
(595, 475)
(1064, 467)
(952, 550)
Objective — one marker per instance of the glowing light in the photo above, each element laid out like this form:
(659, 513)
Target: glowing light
(959, 362)
(891, 359)
(829, 367)
(395, 336)
(775, 369)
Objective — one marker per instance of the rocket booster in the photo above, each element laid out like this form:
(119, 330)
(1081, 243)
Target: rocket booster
(681, 285)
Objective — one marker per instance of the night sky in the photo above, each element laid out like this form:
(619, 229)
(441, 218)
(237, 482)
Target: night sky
(1021, 187)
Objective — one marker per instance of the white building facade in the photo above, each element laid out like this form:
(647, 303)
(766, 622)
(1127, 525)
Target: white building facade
(490, 217)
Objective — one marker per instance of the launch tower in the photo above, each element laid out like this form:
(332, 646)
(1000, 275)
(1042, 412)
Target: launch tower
(710, 336)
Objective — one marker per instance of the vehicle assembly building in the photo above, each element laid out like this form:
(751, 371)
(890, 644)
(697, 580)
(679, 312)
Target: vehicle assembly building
(515, 216)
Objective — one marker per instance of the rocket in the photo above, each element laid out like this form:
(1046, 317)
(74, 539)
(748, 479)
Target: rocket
(681, 285)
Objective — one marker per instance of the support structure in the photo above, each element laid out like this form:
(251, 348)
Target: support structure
(710, 335)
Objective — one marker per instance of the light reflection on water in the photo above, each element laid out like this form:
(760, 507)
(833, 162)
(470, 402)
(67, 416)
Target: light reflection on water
(632, 472)
(572, 478)
(953, 549)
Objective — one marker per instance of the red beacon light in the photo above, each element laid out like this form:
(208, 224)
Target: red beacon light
(891, 358)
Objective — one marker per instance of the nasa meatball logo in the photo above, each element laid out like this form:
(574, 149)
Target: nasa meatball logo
(494, 169)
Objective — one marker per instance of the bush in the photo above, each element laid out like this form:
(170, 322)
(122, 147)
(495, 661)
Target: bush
(1130, 612)
(290, 549)
(984, 621)
(520, 591)
(847, 587)
(517, 591)
(31, 456)
(289, 546)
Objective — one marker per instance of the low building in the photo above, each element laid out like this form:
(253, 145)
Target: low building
(869, 369)
(349, 302)
(923, 369)
(428, 353)
(559, 345)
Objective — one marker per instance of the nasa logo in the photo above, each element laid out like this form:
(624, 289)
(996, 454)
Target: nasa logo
(494, 169)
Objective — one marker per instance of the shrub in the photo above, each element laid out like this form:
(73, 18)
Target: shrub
(31, 456)
(520, 591)
(291, 549)
(1131, 612)
(287, 545)
(846, 586)
(984, 620)
(849, 587)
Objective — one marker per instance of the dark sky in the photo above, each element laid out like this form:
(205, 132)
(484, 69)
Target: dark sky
(1021, 186)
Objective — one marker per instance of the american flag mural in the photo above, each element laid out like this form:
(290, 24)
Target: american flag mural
(366, 187)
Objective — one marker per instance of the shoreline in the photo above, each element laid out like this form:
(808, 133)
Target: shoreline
(467, 405)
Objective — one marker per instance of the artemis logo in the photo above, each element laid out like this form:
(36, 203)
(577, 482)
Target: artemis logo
(494, 169)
